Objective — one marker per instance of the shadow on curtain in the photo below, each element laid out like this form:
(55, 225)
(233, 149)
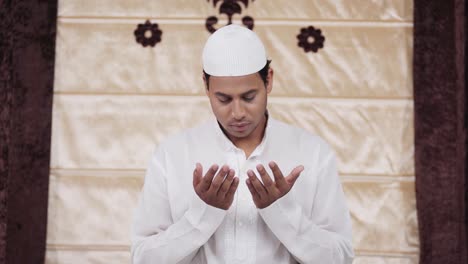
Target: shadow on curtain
(440, 127)
(27, 53)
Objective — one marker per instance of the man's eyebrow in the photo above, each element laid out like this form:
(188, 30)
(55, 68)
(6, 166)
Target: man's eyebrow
(222, 94)
(243, 94)
(249, 92)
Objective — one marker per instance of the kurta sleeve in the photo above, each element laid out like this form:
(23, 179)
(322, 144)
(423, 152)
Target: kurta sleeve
(324, 236)
(156, 237)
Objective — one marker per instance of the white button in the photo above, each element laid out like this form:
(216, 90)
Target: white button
(240, 224)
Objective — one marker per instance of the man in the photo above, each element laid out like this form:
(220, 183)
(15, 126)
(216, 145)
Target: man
(244, 188)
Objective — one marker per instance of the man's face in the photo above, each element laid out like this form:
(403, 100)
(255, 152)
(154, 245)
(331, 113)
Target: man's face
(239, 103)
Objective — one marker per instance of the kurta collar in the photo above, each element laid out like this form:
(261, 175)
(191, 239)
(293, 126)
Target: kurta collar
(227, 145)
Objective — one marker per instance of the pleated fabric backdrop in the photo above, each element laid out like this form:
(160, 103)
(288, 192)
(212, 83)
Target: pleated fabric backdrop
(115, 99)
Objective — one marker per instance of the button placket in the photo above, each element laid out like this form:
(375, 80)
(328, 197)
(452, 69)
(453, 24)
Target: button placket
(245, 217)
(240, 227)
(242, 231)
(232, 212)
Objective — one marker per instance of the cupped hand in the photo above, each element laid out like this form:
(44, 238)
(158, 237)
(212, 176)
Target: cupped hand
(266, 193)
(217, 187)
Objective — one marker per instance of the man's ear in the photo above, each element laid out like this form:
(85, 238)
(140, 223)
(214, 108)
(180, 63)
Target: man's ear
(270, 80)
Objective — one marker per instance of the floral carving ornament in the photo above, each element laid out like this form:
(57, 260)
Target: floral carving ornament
(310, 39)
(148, 34)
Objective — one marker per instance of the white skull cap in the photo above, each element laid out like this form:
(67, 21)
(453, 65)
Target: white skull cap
(233, 51)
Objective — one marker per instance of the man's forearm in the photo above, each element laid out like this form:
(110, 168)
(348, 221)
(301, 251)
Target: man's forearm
(306, 241)
(181, 240)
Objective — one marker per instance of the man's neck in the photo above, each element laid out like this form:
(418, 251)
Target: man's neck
(248, 144)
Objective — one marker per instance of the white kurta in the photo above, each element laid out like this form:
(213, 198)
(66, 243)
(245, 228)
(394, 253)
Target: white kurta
(310, 224)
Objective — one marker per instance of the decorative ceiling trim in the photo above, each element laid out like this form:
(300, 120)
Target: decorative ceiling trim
(229, 8)
(309, 38)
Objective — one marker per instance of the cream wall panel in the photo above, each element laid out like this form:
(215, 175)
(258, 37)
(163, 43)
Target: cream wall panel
(383, 216)
(358, 61)
(92, 256)
(386, 260)
(364, 61)
(393, 10)
(117, 131)
(91, 210)
(369, 136)
(106, 58)
(104, 206)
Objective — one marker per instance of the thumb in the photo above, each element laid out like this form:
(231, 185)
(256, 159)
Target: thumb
(295, 173)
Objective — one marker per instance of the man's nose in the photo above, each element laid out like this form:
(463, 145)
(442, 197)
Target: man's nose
(238, 111)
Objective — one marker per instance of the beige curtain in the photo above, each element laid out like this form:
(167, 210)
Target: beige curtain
(114, 100)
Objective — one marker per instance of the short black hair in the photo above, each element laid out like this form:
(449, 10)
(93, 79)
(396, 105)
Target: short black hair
(263, 74)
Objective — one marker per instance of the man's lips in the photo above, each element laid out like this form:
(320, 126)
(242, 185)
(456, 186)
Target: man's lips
(239, 126)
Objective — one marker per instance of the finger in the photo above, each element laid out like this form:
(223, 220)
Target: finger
(218, 180)
(267, 182)
(258, 186)
(252, 190)
(226, 183)
(197, 175)
(232, 189)
(208, 178)
(280, 181)
(295, 173)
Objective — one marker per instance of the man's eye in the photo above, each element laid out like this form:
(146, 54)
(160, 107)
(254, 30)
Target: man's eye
(224, 100)
(248, 99)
